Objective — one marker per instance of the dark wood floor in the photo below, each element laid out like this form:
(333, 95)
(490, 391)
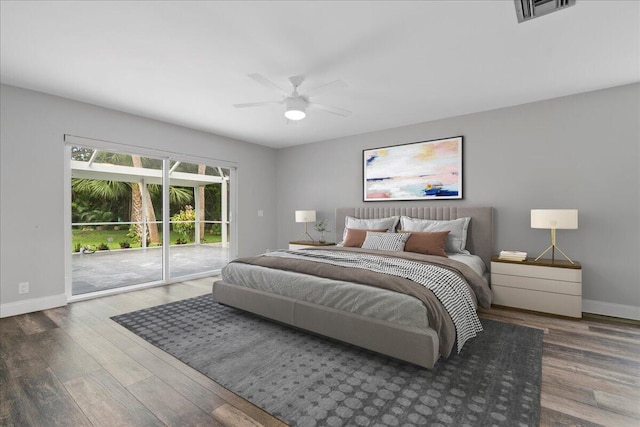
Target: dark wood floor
(74, 366)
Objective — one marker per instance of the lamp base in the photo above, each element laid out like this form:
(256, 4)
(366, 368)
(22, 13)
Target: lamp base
(306, 234)
(553, 248)
(306, 237)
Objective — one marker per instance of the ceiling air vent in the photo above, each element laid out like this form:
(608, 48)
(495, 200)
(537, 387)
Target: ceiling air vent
(529, 9)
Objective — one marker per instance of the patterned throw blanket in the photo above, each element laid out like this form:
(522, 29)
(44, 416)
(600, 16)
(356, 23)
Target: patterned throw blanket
(450, 289)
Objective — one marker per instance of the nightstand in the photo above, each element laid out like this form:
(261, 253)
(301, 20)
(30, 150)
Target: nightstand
(543, 286)
(307, 244)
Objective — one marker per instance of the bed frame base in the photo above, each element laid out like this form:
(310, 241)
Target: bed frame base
(407, 343)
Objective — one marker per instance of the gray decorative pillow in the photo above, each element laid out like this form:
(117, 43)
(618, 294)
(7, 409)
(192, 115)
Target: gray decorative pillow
(389, 223)
(385, 241)
(457, 228)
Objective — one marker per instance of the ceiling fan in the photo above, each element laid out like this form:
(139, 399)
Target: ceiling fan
(296, 104)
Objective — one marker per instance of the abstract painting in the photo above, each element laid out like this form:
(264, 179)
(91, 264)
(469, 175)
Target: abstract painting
(427, 170)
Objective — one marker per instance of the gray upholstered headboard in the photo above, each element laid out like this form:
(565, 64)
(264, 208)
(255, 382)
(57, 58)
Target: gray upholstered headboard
(479, 234)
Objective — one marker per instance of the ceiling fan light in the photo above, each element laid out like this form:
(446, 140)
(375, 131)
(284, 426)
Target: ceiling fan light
(295, 109)
(295, 114)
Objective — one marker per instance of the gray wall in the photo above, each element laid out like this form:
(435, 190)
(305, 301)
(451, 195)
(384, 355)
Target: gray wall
(32, 126)
(578, 151)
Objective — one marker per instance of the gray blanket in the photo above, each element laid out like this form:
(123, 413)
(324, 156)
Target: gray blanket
(439, 319)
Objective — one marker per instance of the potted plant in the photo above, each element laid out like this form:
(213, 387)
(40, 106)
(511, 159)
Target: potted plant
(321, 227)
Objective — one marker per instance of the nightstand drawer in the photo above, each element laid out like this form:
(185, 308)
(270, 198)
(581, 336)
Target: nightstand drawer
(552, 273)
(564, 305)
(536, 284)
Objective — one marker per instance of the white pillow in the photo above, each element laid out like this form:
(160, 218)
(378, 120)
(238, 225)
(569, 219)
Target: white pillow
(389, 223)
(385, 241)
(457, 228)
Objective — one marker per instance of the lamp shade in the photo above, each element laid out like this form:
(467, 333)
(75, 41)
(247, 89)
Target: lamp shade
(554, 218)
(305, 216)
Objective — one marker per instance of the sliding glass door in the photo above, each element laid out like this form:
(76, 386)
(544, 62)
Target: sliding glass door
(118, 222)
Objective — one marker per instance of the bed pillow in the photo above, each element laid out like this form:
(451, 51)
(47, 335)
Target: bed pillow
(388, 224)
(385, 241)
(426, 242)
(354, 237)
(457, 228)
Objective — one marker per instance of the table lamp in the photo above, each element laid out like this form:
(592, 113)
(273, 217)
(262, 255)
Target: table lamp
(306, 217)
(553, 219)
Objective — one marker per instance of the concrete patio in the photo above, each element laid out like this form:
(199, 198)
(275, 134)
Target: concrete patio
(114, 269)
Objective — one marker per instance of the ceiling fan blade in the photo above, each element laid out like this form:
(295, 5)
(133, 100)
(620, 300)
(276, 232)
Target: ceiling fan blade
(257, 104)
(337, 84)
(333, 110)
(268, 83)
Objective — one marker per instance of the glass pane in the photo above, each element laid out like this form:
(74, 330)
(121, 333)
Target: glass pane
(116, 212)
(199, 238)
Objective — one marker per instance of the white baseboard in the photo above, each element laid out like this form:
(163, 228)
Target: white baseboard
(611, 309)
(31, 305)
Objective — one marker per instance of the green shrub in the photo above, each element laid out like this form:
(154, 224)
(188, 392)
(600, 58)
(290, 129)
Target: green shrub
(125, 245)
(184, 222)
(216, 229)
(133, 232)
(103, 247)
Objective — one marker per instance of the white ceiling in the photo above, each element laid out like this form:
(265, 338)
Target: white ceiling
(405, 62)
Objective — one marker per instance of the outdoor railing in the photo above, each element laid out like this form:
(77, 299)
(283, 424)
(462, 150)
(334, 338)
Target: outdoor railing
(197, 238)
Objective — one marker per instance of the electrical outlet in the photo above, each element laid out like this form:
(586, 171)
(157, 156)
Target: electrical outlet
(23, 288)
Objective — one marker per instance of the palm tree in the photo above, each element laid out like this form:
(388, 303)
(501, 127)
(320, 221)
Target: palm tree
(105, 190)
(138, 193)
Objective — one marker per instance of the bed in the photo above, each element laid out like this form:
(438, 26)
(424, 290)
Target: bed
(311, 289)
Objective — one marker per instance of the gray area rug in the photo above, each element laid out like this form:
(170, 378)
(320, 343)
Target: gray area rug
(307, 380)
